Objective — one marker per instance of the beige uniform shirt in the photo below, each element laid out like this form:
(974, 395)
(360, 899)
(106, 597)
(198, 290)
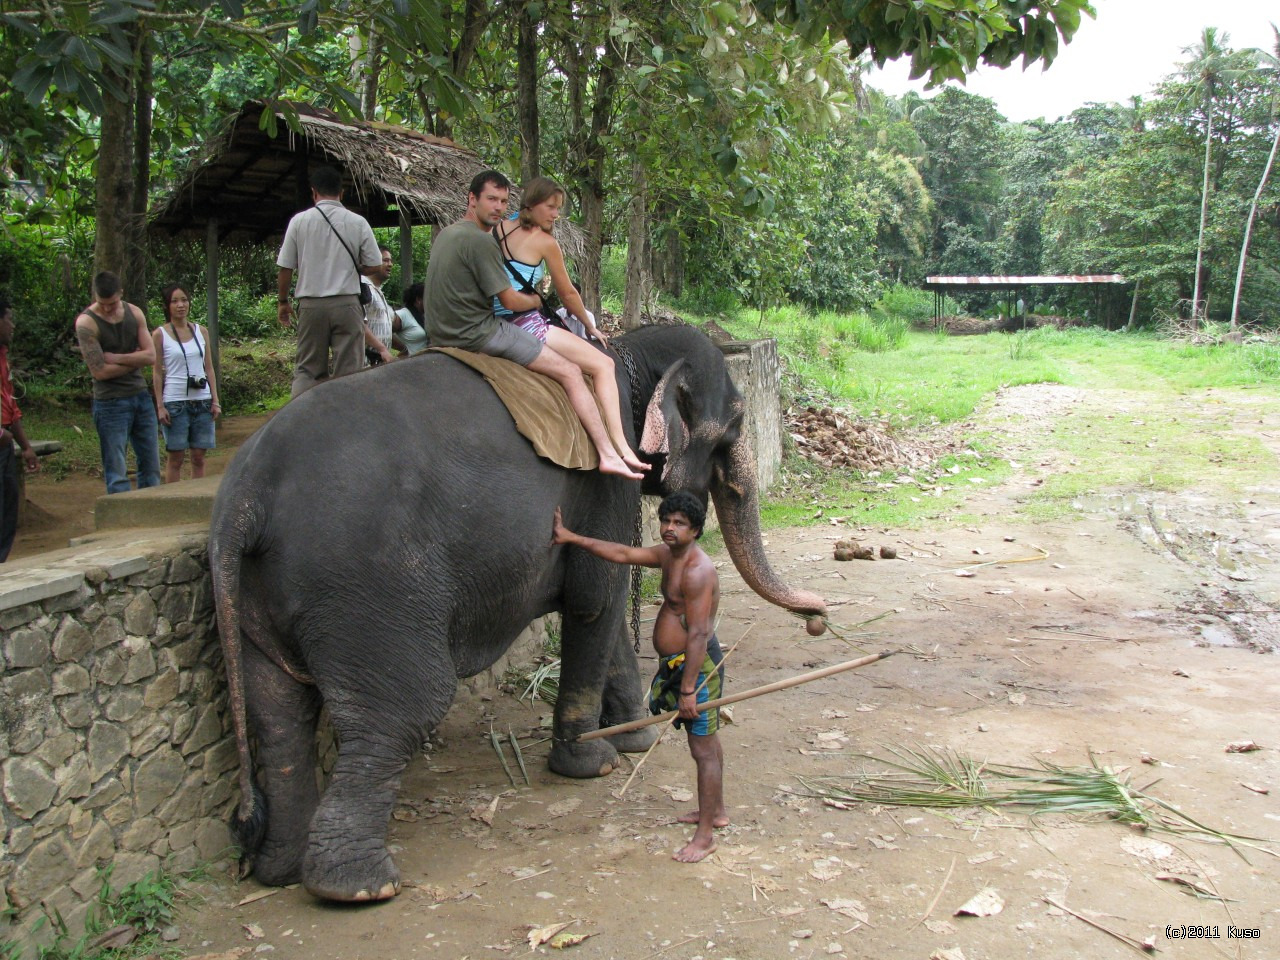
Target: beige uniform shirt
(314, 252)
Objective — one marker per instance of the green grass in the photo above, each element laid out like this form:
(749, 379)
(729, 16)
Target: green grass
(877, 367)
(147, 905)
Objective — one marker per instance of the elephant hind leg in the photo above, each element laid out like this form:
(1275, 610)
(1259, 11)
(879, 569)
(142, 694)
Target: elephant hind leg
(347, 858)
(283, 713)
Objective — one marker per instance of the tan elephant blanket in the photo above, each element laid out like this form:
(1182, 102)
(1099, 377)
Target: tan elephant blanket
(539, 406)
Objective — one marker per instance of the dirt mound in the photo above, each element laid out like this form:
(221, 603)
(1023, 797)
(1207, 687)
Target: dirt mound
(835, 440)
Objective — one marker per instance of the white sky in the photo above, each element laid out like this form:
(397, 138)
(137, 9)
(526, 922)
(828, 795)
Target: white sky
(1127, 49)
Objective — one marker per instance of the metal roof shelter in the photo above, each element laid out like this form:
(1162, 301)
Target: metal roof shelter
(1014, 286)
(248, 183)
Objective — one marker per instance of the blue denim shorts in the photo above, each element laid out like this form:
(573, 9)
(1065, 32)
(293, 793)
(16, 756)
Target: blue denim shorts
(190, 425)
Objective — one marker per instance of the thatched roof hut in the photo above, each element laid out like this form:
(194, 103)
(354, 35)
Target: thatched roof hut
(251, 182)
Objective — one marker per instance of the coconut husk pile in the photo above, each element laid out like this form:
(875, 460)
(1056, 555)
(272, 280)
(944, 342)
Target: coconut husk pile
(961, 326)
(834, 440)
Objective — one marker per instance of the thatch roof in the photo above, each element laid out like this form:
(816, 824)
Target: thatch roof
(253, 183)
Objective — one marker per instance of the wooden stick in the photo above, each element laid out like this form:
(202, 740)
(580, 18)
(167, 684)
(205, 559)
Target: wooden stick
(658, 739)
(744, 695)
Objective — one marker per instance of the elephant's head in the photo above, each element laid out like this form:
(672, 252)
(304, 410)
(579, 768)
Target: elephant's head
(693, 432)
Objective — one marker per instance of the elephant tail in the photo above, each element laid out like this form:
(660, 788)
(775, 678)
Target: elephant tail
(250, 830)
(229, 538)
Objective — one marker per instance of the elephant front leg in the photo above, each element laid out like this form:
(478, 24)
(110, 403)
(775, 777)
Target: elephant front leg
(586, 656)
(626, 699)
(347, 857)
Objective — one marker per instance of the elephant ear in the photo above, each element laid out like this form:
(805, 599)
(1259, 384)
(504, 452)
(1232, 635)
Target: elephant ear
(665, 430)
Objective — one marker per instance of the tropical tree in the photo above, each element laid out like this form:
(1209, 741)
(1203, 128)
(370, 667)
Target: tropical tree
(1270, 67)
(1207, 71)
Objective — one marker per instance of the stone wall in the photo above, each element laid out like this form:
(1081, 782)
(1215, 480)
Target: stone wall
(753, 365)
(115, 746)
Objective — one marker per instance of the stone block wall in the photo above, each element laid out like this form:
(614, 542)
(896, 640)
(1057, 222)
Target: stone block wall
(753, 366)
(115, 744)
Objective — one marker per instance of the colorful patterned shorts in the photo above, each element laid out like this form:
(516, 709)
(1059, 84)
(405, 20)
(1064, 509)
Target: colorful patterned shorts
(664, 692)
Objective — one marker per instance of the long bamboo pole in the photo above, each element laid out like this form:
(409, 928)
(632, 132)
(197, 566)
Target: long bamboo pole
(735, 697)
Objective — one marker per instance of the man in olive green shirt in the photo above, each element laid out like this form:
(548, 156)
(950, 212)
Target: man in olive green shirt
(465, 273)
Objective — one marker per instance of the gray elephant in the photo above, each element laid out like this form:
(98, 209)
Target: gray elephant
(390, 532)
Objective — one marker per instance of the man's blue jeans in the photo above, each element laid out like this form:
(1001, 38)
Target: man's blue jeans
(122, 421)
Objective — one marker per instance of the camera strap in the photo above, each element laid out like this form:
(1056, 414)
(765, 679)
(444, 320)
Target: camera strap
(195, 338)
(355, 263)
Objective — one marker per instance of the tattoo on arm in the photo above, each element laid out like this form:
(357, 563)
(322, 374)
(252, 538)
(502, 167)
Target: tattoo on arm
(91, 350)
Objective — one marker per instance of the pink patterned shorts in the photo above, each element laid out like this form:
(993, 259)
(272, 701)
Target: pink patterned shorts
(531, 321)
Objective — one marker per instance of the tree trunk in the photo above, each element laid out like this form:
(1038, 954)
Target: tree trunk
(527, 93)
(113, 207)
(1204, 213)
(638, 277)
(667, 257)
(588, 155)
(135, 276)
(1248, 228)
(1133, 309)
(371, 69)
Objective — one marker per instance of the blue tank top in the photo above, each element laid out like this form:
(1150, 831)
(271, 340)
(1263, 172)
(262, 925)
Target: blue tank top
(531, 274)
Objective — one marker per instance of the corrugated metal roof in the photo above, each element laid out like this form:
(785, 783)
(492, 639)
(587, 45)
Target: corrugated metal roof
(1023, 281)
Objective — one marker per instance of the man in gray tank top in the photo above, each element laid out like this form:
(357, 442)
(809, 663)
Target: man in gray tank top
(117, 346)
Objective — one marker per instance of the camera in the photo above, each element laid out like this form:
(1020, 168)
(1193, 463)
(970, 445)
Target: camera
(196, 383)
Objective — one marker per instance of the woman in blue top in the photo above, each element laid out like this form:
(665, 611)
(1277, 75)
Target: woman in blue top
(531, 252)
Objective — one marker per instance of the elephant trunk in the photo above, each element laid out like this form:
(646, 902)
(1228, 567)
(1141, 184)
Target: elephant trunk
(738, 508)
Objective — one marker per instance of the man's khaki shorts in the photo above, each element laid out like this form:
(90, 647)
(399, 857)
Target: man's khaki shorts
(512, 343)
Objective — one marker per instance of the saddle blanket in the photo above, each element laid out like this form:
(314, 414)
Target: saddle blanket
(539, 406)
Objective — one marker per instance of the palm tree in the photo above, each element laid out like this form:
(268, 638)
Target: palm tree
(1270, 63)
(1207, 71)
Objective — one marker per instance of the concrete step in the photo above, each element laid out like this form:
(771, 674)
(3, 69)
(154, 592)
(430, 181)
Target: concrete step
(168, 505)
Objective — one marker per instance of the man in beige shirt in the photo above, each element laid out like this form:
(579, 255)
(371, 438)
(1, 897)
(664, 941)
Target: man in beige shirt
(330, 248)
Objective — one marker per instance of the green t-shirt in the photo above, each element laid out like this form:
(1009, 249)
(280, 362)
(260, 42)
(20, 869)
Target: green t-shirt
(464, 274)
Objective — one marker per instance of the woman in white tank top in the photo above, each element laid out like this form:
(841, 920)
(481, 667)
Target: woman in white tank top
(185, 390)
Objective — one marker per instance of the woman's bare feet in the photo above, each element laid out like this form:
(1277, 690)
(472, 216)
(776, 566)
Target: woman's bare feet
(692, 817)
(694, 851)
(614, 464)
(634, 462)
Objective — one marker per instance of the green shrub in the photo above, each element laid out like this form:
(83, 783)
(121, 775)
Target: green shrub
(910, 304)
(241, 315)
(861, 332)
(708, 300)
(255, 376)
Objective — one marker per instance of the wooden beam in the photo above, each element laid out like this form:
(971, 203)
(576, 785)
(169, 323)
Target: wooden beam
(212, 249)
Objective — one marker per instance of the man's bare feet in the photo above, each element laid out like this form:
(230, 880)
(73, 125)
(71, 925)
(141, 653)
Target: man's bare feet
(694, 851)
(614, 464)
(693, 815)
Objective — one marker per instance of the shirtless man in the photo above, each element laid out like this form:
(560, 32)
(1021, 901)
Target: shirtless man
(682, 634)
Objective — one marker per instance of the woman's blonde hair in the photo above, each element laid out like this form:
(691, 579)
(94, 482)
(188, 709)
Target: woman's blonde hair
(536, 191)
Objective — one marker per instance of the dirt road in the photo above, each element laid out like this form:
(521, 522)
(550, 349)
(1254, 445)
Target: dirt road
(1136, 631)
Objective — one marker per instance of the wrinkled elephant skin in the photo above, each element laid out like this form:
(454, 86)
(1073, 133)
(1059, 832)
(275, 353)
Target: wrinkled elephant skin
(388, 533)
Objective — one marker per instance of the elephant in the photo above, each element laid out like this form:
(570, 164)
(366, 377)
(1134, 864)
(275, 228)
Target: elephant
(389, 532)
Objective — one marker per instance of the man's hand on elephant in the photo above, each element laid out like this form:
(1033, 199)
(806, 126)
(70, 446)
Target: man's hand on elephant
(559, 532)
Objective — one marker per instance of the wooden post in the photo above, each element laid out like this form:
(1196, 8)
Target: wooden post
(406, 247)
(211, 253)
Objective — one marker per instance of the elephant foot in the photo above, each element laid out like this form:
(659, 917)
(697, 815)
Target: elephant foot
(352, 881)
(278, 862)
(595, 758)
(634, 741)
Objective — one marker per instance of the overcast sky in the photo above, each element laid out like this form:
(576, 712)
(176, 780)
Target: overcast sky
(1130, 47)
